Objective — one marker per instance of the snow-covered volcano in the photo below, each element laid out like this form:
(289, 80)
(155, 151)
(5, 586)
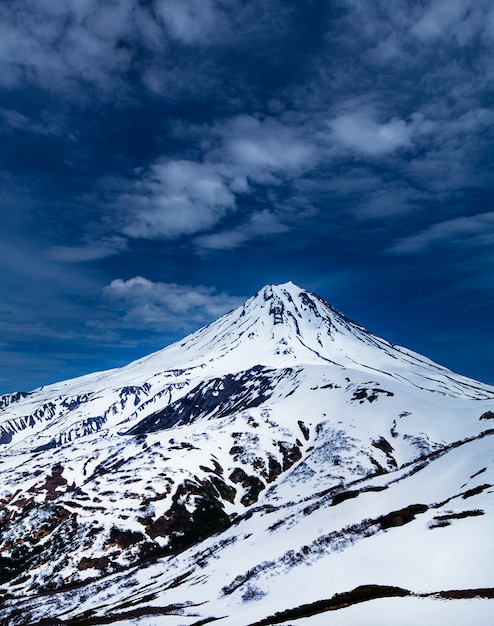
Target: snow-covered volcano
(200, 482)
(281, 326)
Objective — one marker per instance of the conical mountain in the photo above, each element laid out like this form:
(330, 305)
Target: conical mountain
(201, 482)
(280, 326)
(285, 325)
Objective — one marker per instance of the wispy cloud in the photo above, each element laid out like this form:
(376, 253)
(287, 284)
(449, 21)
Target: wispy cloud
(261, 224)
(361, 132)
(69, 47)
(175, 198)
(56, 45)
(172, 198)
(471, 230)
(96, 48)
(265, 146)
(90, 251)
(191, 21)
(456, 19)
(12, 121)
(148, 304)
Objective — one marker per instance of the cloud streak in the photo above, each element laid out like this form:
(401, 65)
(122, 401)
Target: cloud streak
(259, 147)
(90, 251)
(158, 305)
(261, 224)
(474, 230)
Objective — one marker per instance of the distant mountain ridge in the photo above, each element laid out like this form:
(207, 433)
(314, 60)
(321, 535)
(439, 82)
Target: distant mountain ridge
(283, 434)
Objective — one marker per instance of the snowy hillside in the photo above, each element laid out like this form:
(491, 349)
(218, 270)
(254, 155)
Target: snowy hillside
(281, 465)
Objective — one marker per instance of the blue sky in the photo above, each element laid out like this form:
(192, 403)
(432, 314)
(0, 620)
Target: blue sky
(161, 161)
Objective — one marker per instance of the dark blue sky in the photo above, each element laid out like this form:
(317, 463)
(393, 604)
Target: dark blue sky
(160, 161)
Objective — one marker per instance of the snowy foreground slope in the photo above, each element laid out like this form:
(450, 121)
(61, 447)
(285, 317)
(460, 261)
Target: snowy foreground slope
(279, 466)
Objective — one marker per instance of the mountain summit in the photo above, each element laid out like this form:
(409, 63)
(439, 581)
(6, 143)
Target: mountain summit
(280, 326)
(284, 324)
(198, 483)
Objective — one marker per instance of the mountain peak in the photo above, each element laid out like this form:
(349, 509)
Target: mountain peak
(286, 297)
(280, 410)
(290, 305)
(281, 325)
(285, 325)
(287, 287)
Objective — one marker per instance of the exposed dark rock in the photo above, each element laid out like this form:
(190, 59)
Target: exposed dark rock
(10, 398)
(363, 593)
(6, 436)
(52, 537)
(100, 563)
(291, 454)
(344, 495)
(273, 471)
(183, 528)
(216, 398)
(383, 445)
(467, 594)
(488, 415)
(362, 393)
(125, 538)
(218, 470)
(53, 483)
(253, 485)
(475, 491)
(227, 492)
(445, 520)
(401, 517)
(304, 429)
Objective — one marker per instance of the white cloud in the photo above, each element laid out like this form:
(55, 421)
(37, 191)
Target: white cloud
(474, 120)
(474, 229)
(396, 26)
(359, 131)
(190, 21)
(261, 224)
(387, 51)
(444, 17)
(266, 146)
(76, 46)
(13, 121)
(176, 198)
(57, 44)
(162, 306)
(390, 199)
(90, 251)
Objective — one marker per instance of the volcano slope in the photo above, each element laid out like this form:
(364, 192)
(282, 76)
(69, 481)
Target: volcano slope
(279, 466)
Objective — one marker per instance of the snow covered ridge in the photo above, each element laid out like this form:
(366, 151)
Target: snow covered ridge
(282, 447)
